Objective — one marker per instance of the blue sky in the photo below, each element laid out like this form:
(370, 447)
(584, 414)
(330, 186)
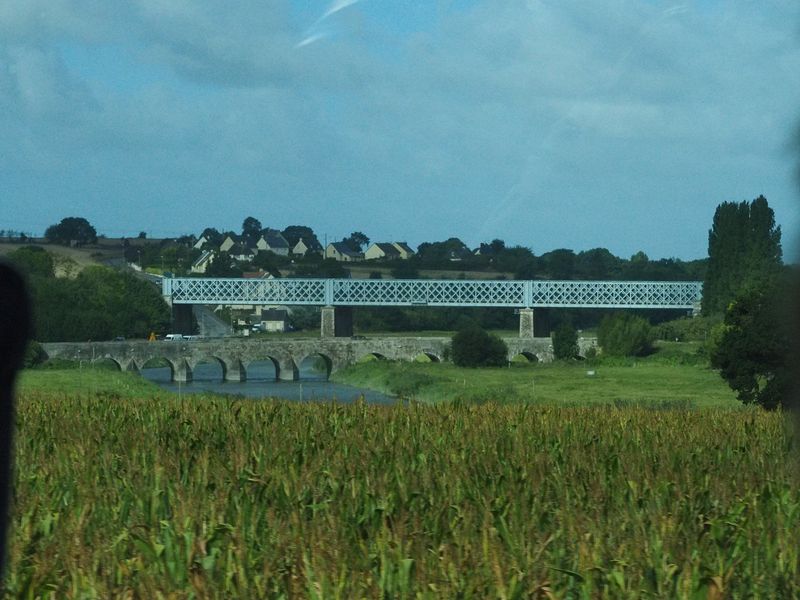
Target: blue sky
(547, 123)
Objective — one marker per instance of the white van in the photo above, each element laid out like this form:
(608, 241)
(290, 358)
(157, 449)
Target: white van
(173, 337)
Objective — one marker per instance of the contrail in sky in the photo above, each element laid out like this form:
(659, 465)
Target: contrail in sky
(334, 8)
(310, 39)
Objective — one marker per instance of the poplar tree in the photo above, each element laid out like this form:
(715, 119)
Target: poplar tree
(744, 251)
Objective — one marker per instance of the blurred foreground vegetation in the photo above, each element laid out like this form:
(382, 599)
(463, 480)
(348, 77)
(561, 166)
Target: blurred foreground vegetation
(156, 497)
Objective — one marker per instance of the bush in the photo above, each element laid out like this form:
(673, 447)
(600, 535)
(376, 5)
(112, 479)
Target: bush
(475, 347)
(565, 342)
(753, 349)
(687, 329)
(34, 355)
(625, 335)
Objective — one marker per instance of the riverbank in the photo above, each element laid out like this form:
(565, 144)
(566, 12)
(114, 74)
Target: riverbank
(673, 377)
(87, 382)
(102, 382)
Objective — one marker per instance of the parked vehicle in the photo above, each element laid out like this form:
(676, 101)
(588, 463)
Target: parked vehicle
(173, 337)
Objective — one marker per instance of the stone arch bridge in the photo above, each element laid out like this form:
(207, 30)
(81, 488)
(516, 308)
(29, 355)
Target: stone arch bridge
(235, 355)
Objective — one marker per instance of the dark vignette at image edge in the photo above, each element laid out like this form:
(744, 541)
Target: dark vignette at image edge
(15, 324)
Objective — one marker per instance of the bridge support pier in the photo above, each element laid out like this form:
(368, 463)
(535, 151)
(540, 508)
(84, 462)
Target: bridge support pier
(526, 323)
(336, 321)
(287, 371)
(234, 371)
(182, 319)
(182, 372)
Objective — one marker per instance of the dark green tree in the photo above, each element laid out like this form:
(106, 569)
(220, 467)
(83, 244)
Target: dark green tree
(293, 233)
(559, 264)
(357, 241)
(99, 304)
(565, 342)
(213, 236)
(754, 347)
(744, 250)
(251, 230)
(625, 334)
(441, 254)
(327, 268)
(34, 261)
(267, 262)
(223, 266)
(71, 230)
(596, 264)
(475, 347)
(497, 245)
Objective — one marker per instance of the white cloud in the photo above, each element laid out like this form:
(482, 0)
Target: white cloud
(489, 122)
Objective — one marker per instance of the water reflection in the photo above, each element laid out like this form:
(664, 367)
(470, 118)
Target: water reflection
(312, 387)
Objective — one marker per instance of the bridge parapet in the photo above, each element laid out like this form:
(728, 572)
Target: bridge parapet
(236, 355)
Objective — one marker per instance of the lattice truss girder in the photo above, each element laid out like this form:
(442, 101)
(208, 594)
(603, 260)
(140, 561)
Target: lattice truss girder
(246, 291)
(617, 294)
(404, 292)
(409, 292)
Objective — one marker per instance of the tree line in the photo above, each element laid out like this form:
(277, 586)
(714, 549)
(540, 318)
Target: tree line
(99, 303)
(745, 310)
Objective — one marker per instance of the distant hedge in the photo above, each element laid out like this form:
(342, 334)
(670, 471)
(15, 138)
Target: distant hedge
(475, 347)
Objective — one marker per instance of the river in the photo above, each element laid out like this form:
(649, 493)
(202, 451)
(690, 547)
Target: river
(313, 386)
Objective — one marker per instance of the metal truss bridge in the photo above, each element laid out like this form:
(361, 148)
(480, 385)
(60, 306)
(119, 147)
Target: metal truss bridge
(419, 292)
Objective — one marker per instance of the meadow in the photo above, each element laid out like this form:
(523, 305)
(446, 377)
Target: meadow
(126, 491)
(675, 376)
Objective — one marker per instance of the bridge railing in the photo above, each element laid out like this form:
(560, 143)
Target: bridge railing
(411, 292)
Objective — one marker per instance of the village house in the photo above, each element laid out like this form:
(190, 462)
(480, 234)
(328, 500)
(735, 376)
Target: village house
(242, 253)
(388, 251)
(405, 250)
(383, 250)
(302, 248)
(229, 242)
(272, 320)
(342, 252)
(202, 263)
(273, 241)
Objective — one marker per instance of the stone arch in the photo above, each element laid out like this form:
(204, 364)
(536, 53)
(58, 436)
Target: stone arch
(253, 368)
(427, 356)
(524, 357)
(206, 373)
(150, 367)
(131, 366)
(368, 356)
(326, 365)
(107, 360)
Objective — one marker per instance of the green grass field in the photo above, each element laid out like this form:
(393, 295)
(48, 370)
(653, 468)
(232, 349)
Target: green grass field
(674, 376)
(88, 382)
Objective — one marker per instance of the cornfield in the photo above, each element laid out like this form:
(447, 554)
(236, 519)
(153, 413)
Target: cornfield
(212, 498)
